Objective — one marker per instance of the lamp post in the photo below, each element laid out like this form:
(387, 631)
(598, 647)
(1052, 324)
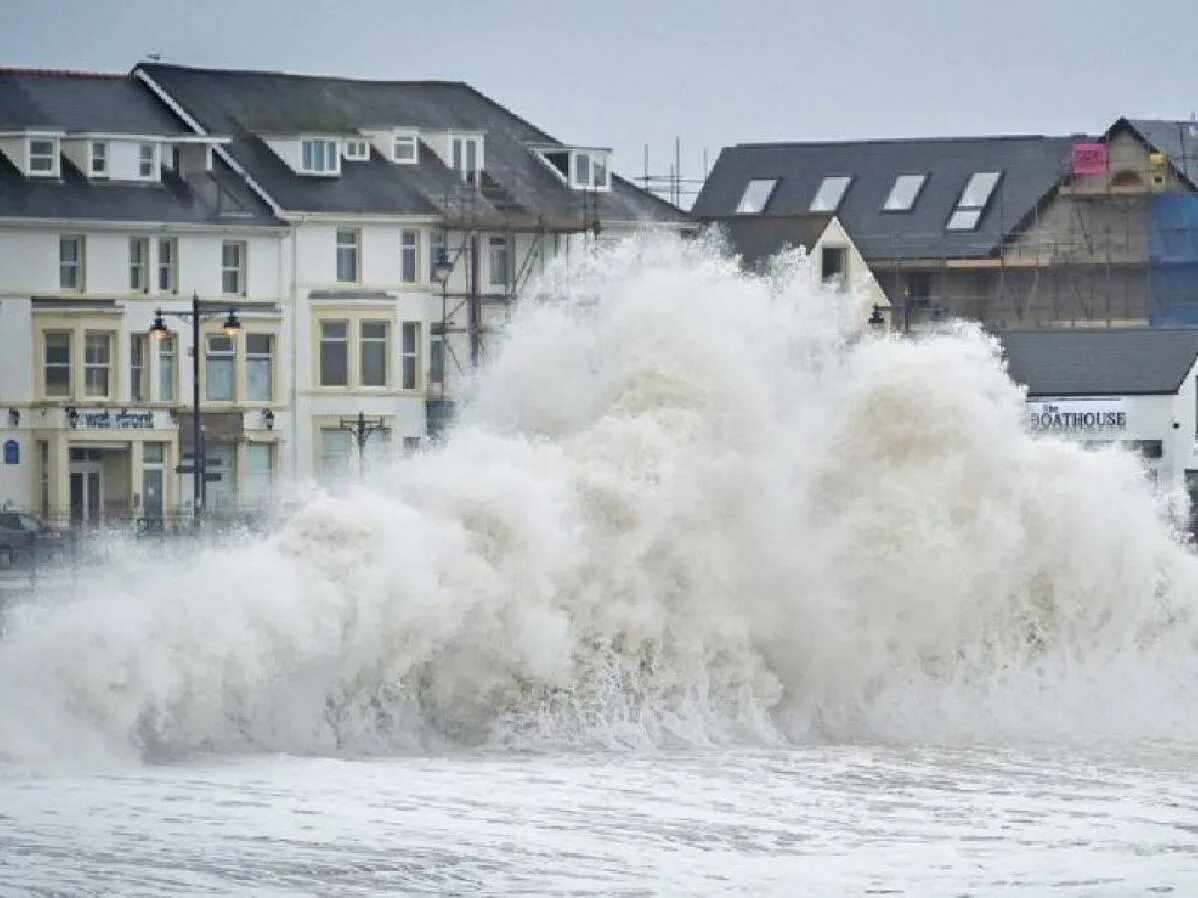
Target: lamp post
(361, 428)
(158, 331)
(442, 268)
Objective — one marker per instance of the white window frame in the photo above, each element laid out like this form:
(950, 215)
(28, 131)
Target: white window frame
(67, 365)
(459, 145)
(139, 367)
(409, 140)
(222, 357)
(257, 355)
(374, 341)
(436, 353)
(409, 256)
(591, 180)
(105, 366)
(147, 168)
(51, 157)
(356, 150)
(319, 156)
(139, 265)
(167, 264)
(409, 355)
(353, 249)
(494, 243)
(237, 270)
(101, 157)
(321, 340)
(166, 349)
(77, 266)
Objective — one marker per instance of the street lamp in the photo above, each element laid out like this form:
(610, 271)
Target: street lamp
(909, 305)
(158, 331)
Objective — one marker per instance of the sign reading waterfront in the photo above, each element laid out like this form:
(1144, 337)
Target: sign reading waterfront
(120, 421)
(1077, 416)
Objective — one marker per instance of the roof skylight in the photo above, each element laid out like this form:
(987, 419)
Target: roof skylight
(756, 196)
(972, 202)
(831, 192)
(904, 192)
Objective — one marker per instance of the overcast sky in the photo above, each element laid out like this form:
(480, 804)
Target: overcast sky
(623, 73)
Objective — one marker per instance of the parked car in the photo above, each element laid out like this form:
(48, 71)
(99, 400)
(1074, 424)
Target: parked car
(23, 538)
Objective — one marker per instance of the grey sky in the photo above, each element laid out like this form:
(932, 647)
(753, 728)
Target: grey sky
(623, 73)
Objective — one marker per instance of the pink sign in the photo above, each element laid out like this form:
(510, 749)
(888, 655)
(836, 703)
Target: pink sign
(1089, 158)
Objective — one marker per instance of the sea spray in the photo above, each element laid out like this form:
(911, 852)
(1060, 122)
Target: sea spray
(682, 507)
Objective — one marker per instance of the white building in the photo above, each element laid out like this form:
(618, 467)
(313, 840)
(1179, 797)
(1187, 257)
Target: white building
(109, 210)
(1135, 386)
(370, 235)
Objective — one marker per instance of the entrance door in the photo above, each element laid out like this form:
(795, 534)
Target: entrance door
(87, 490)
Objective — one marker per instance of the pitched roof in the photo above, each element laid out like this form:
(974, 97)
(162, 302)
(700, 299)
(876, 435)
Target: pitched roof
(758, 238)
(1031, 168)
(110, 104)
(248, 105)
(1176, 139)
(81, 102)
(1100, 361)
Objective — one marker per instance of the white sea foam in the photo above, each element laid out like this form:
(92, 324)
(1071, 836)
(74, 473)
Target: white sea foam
(683, 507)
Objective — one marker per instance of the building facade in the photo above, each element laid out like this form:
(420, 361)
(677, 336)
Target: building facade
(369, 236)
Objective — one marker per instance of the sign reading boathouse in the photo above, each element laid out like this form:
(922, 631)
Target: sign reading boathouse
(1087, 416)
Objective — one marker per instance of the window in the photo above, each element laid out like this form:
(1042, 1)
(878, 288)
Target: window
(411, 354)
(43, 157)
(168, 251)
(904, 193)
(373, 356)
(232, 267)
(831, 192)
(97, 363)
(972, 202)
(336, 451)
(218, 368)
(436, 246)
(153, 459)
(147, 159)
(498, 262)
(166, 368)
(139, 263)
(833, 265)
(99, 159)
(467, 158)
(412, 444)
(357, 150)
(409, 255)
(404, 149)
(43, 457)
(436, 354)
(919, 284)
(334, 353)
(70, 263)
(756, 196)
(260, 470)
(590, 171)
(347, 255)
(259, 367)
(138, 370)
(58, 364)
(319, 156)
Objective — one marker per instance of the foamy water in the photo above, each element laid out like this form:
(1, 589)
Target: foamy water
(685, 510)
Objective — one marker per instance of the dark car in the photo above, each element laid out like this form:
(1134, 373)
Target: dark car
(23, 538)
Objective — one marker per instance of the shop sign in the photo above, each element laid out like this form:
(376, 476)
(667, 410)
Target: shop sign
(12, 452)
(1085, 416)
(124, 420)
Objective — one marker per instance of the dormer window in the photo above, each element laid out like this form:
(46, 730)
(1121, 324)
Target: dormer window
(467, 156)
(590, 171)
(319, 156)
(43, 157)
(357, 150)
(99, 159)
(404, 149)
(972, 202)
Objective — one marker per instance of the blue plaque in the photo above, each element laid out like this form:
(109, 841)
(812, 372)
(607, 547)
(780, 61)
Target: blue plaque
(12, 452)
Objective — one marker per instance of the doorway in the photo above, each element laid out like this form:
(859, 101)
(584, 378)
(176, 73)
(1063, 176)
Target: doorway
(87, 492)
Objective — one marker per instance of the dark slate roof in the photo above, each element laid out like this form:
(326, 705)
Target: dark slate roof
(1177, 140)
(1032, 167)
(81, 102)
(1101, 361)
(248, 105)
(757, 238)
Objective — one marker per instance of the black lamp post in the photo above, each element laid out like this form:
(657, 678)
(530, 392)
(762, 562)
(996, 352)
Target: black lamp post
(876, 319)
(158, 331)
(442, 268)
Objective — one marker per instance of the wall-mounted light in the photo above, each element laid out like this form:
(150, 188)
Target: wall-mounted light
(14, 417)
(73, 417)
(232, 324)
(442, 266)
(268, 418)
(158, 329)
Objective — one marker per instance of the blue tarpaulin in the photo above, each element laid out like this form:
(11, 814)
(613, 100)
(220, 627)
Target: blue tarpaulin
(1173, 260)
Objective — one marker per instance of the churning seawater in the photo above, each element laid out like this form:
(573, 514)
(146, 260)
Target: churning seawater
(706, 593)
